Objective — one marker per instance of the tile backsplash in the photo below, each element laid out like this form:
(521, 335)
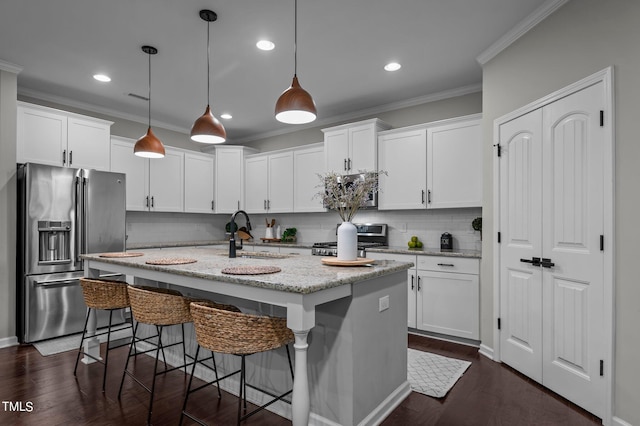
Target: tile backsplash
(427, 225)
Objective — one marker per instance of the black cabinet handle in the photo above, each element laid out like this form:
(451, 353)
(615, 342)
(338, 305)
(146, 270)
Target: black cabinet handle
(349, 164)
(147, 201)
(64, 157)
(547, 263)
(446, 264)
(429, 196)
(70, 157)
(212, 205)
(535, 261)
(418, 282)
(345, 165)
(423, 196)
(152, 202)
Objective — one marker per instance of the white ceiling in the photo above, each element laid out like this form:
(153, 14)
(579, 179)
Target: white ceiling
(342, 47)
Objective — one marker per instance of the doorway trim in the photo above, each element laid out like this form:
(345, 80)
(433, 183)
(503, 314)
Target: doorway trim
(606, 77)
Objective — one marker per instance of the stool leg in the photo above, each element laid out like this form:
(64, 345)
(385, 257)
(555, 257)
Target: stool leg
(289, 358)
(126, 364)
(106, 354)
(215, 370)
(242, 387)
(186, 396)
(84, 333)
(184, 351)
(155, 372)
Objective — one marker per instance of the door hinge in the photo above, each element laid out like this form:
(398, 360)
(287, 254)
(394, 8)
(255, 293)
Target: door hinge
(601, 368)
(499, 324)
(499, 237)
(601, 118)
(601, 242)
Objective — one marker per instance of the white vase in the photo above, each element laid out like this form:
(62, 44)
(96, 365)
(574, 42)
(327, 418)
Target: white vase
(347, 241)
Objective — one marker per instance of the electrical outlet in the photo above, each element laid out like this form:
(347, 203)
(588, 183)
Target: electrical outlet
(383, 303)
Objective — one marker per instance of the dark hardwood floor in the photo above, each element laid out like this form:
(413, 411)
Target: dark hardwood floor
(488, 394)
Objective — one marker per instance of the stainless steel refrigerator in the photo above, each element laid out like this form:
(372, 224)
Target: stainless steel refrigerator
(62, 213)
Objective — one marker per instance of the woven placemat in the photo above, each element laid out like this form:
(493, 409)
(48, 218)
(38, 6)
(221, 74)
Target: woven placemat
(122, 254)
(251, 270)
(170, 261)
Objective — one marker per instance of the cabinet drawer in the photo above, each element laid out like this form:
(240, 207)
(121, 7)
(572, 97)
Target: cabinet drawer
(462, 265)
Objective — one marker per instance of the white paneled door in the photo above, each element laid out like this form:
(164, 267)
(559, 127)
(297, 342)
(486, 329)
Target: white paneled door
(552, 265)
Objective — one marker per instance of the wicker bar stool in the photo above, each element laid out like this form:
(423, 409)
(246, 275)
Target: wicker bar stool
(232, 332)
(158, 307)
(105, 295)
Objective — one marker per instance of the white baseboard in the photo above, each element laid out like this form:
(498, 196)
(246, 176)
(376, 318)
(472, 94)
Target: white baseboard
(388, 405)
(8, 341)
(616, 421)
(486, 351)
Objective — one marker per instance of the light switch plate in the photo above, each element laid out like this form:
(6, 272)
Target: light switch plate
(383, 303)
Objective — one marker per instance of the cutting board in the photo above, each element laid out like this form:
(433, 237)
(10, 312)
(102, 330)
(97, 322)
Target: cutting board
(334, 261)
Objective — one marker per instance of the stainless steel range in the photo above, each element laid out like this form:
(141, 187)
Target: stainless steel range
(369, 235)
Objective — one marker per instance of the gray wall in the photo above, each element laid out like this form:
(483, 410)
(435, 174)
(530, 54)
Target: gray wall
(581, 38)
(8, 88)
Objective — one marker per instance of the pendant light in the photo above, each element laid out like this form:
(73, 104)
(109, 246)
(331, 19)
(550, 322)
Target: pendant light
(207, 128)
(295, 105)
(149, 146)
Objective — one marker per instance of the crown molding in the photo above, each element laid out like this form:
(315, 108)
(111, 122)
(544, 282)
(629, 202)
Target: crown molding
(9, 67)
(539, 15)
(100, 110)
(446, 94)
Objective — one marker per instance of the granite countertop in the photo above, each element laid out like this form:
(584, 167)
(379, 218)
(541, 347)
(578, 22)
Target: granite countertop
(299, 273)
(477, 254)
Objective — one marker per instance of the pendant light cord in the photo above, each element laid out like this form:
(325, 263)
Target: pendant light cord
(295, 37)
(149, 115)
(208, 61)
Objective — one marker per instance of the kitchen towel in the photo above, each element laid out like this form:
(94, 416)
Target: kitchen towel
(431, 374)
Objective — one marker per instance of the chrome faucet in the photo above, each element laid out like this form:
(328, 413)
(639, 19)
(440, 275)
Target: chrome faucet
(232, 241)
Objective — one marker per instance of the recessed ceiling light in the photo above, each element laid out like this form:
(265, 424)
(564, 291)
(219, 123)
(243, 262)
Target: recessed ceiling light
(392, 66)
(102, 77)
(226, 116)
(265, 45)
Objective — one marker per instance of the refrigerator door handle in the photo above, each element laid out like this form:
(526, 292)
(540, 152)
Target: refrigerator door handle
(77, 224)
(49, 283)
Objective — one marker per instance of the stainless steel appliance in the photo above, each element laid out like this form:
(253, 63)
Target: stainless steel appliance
(348, 180)
(62, 213)
(369, 235)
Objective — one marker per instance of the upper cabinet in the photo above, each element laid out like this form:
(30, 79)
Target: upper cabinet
(308, 163)
(434, 165)
(269, 183)
(152, 184)
(350, 148)
(229, 177)
(454, 164)
(198, 183)
(59, 138)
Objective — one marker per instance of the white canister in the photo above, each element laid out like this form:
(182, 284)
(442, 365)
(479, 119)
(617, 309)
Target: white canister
(269, 232)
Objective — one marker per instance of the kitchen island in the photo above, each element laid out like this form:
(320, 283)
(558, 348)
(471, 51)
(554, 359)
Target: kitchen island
(349, 323)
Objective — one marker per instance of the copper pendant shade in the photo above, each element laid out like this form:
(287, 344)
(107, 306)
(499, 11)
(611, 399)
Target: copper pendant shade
(207, 128)
(149, 146)
(295, 105)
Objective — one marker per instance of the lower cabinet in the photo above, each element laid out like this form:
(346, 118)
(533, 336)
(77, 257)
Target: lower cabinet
(443, 294)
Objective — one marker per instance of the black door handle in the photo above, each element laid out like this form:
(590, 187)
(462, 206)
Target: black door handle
(535, 261)
(547, 263)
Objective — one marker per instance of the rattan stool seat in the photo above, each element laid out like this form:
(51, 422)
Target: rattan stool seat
(107, 295)
(229, 331)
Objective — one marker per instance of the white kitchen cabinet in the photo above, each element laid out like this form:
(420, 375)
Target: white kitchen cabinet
(412, 282)
(403, 156)
(431, 165)
(166, 182)
(448, 296)
(308, 163)
(351, 148)
(443, 293)
(152, 184)
(137, 170)
(269, 183)
(454, 165)
(229, 177)
(198, 183)
(59, 138)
